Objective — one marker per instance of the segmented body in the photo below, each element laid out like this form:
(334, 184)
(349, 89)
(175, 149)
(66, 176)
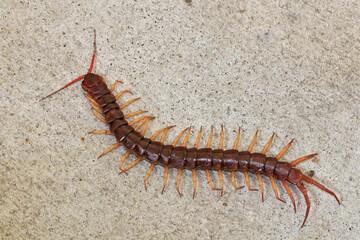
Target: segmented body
(181, 157)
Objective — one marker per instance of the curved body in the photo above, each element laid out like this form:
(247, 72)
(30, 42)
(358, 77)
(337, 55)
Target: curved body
(181, 157)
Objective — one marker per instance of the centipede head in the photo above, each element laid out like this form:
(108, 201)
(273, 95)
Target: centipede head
(89, 76)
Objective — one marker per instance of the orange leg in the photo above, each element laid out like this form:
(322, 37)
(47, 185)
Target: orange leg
(178, 137)
(194, 180)
(208, 145)
(261, 186)
(128, 103)
(135, 162)
(129, 115)
(275, 188)
(233, 172)
(96, 108)
(106, 132)
(237, 140)
(178, 181)
(233, 181)
(126, 155)
(116, 145)
(91, 100)
(98, 116)
(121, 93)
(209, 180)
(282, 152)
(139, 119)
(153, 137)
(221, 181)
(253, 142)
(193, 170)
(184, 144)
(164, 134)
(267, 145)
(247, 180)
(198, 139)
(289, 193)
(221, 142)
(114, 84)
(165, 178)
(300, 160)
(186, 137)
(148, 174)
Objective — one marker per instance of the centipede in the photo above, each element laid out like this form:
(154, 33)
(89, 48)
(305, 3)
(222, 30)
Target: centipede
(131, 135)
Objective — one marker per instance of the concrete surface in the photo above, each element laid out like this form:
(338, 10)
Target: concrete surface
(284, 67)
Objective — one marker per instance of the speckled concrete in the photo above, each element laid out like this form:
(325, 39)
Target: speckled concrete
(284, 67)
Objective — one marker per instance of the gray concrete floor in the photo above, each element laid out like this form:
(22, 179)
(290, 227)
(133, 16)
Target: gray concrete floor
(284, 67)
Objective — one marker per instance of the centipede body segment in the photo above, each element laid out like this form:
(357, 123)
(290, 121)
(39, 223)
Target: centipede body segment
(177, 155)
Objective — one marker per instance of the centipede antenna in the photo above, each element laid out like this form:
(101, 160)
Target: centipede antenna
(81, 77)
(72, 82)
(93, 57)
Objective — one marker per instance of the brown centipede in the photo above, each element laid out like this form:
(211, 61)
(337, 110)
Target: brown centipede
(106, 109)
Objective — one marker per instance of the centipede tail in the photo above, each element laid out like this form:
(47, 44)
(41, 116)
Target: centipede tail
(131, 135)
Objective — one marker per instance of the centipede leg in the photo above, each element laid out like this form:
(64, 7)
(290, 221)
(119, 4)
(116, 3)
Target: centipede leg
(91, 100)
(116, 145)
(304, 192)
(162, 141)
(221, 142)
(233, 172)
(105, 132)
(208, 145)
(121, 93)
(126, 155)
(196, 144)
(209, 180)
(300, 160)
(114, 84)
(129, 115)
(135, 162)
(140, 119)
(221, 181)
(261, 186)
(194, 180)
(148, 174)
(289, 193)
(128, 103)
(98, 110)
(97, 115)
(253, 142)
(267, 145)
(198, 138)
(178, 137)
(282, 152)
(237, 140)
(275, 189)
(178, 180)
(233, 181)
(247, 180)
(166, 173)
